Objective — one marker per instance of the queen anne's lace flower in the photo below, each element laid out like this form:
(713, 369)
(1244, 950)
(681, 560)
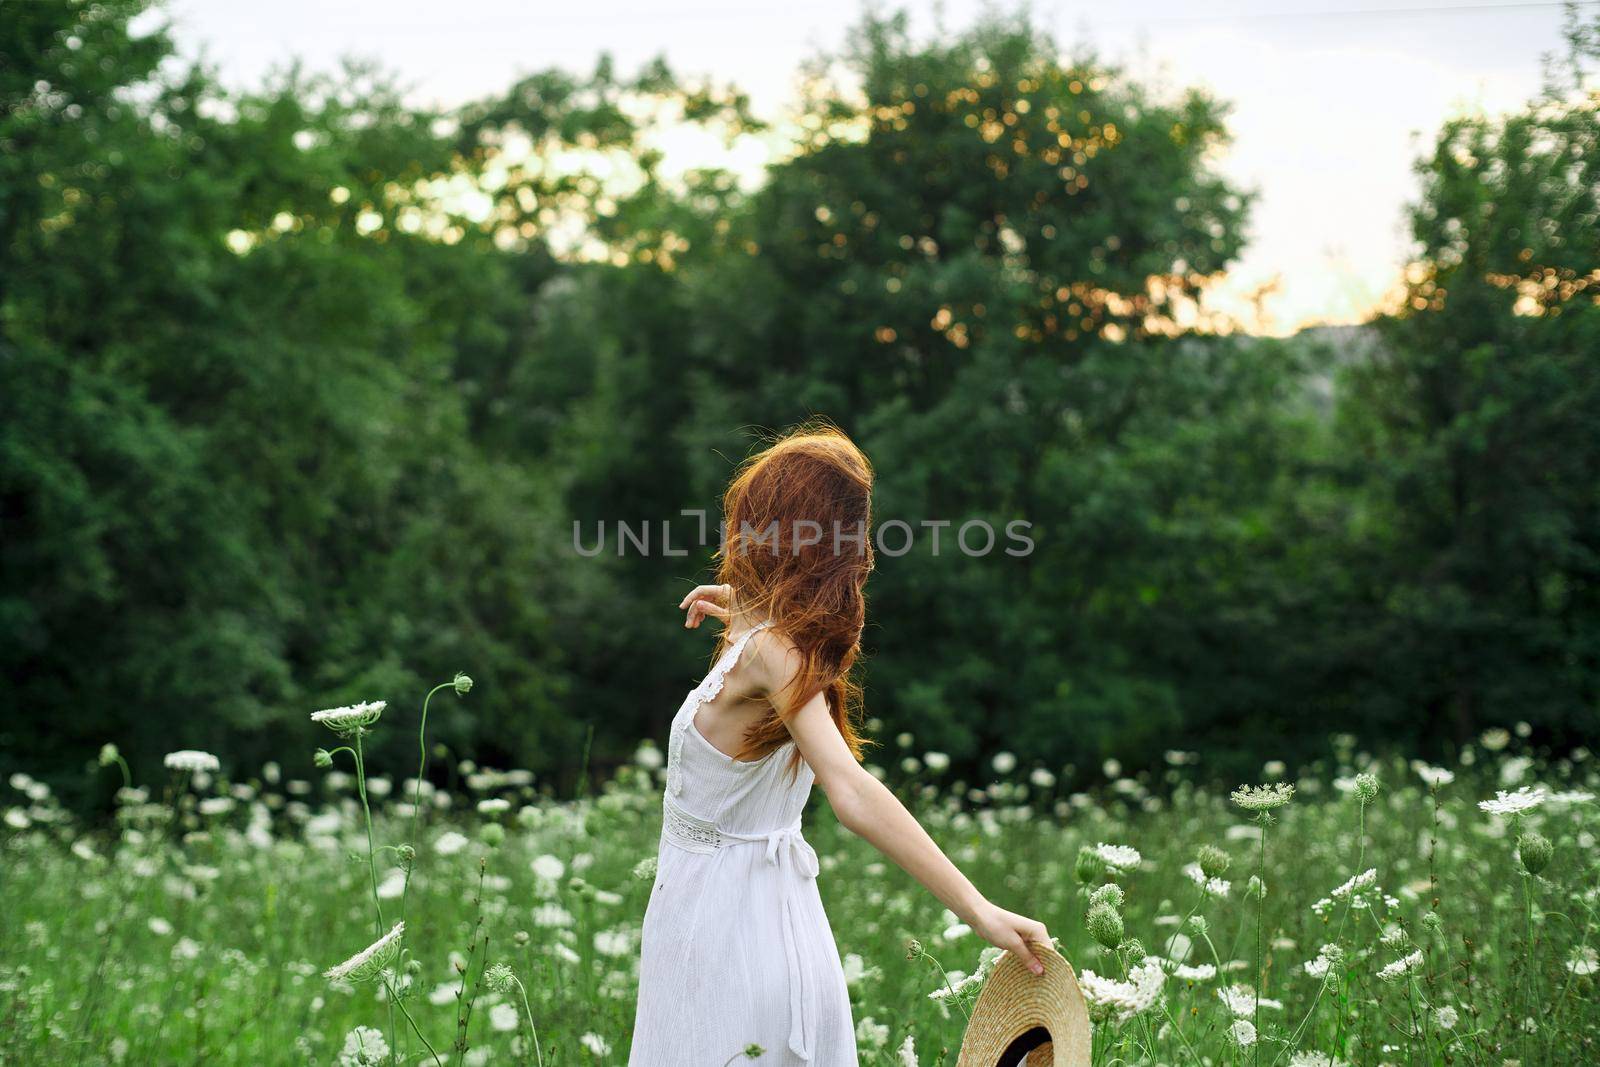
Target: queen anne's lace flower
(1432, 777)
(1238, 1000)
(1314, 1059)
(1211, 887)
(1401, 967)
(1525, 799)
(1584, 961)
(366, 964)
(1263, 797)
(193, 761)
(1327, 957)
(364, 1047)
(347, 720)
(1111, 999)
(1120, 858)
(1243, 1032)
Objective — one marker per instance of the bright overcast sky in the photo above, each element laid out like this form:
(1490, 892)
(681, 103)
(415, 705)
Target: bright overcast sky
(1333, 98)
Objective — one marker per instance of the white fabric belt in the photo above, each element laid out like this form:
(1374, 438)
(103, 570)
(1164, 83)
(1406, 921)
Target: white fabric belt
(790, 853)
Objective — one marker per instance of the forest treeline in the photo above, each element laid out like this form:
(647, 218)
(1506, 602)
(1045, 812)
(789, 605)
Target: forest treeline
(304, 388)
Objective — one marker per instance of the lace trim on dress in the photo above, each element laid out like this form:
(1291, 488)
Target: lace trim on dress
(711, 685)
(689, 832)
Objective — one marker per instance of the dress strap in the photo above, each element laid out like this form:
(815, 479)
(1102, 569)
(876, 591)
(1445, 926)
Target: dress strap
(712, 684)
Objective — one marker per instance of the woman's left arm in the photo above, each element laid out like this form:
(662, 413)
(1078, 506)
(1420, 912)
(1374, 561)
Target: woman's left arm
(868, 809)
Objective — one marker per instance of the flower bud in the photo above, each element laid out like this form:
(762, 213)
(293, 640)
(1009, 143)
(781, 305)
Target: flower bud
(1135, 950)
(1090, 867)
(1255, 889)
(323, 758)
(1213, 861)
(1432, 922)
(108, 754)
(1199, 925)
(1110, 894)
(407, 856)
(913, 949)
(1534, 850)
(462, 683)
(492, 834)
(1105, 925)
(1366, 787)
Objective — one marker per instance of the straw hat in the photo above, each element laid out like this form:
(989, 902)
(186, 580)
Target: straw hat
(1024, 1020)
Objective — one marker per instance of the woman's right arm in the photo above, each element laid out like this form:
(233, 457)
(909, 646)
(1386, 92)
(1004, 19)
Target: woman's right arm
(867, 808)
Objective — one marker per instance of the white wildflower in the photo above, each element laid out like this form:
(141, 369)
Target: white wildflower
(872, 1034)
(193, 761)
(366, 964)
(449, 843)
(494, 806)
(1446, 1017)
(1211, 887)
(1120, 858)
(503, 1017)
(1584, 961)
(364, 1047)
(1111, 999)
(1263, 797)
(613, 942)
(552, 916)
(1243, 1032)
(906, 1055)
(347, 720)
(548, 868)
(1314, 1059)
(936, 761)
(1003, 763)
(1432, 777)
(1525, 799)
(1401, 967)
(596, 1044)
(1238, 999)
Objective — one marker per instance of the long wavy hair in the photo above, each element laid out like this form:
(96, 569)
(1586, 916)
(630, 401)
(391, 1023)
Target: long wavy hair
(797, 549)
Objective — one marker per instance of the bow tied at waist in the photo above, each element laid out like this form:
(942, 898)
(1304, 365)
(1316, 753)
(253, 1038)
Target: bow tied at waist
(787, 847)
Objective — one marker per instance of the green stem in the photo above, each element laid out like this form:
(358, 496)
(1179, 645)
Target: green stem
(1261, 910)
(529, 1012)
(395, 999)
(366, 811)
(416, 792)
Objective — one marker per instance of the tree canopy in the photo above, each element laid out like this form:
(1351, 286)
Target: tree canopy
(303, 391)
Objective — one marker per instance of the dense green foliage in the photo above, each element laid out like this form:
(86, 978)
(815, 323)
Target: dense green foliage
(302, 391)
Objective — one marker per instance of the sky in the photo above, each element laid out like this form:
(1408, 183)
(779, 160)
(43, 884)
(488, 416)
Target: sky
(1333, 99)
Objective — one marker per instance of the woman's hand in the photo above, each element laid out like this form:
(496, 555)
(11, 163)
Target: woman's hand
(1012, 932)
(703, 600)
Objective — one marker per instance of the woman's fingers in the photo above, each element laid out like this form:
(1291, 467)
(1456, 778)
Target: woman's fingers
(1024, 953)
(718, 593)
(706, 600)
(700, 609)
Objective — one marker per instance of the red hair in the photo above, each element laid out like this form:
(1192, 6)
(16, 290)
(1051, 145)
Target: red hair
(797, 550)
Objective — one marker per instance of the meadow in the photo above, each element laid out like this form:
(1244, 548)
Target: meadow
(1354, 911)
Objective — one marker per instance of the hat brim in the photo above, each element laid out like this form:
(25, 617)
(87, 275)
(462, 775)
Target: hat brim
(1026, 1019)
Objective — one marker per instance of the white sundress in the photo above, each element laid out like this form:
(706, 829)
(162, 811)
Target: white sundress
(737, 950)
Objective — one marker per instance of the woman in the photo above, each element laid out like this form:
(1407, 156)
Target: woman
(737, 950)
